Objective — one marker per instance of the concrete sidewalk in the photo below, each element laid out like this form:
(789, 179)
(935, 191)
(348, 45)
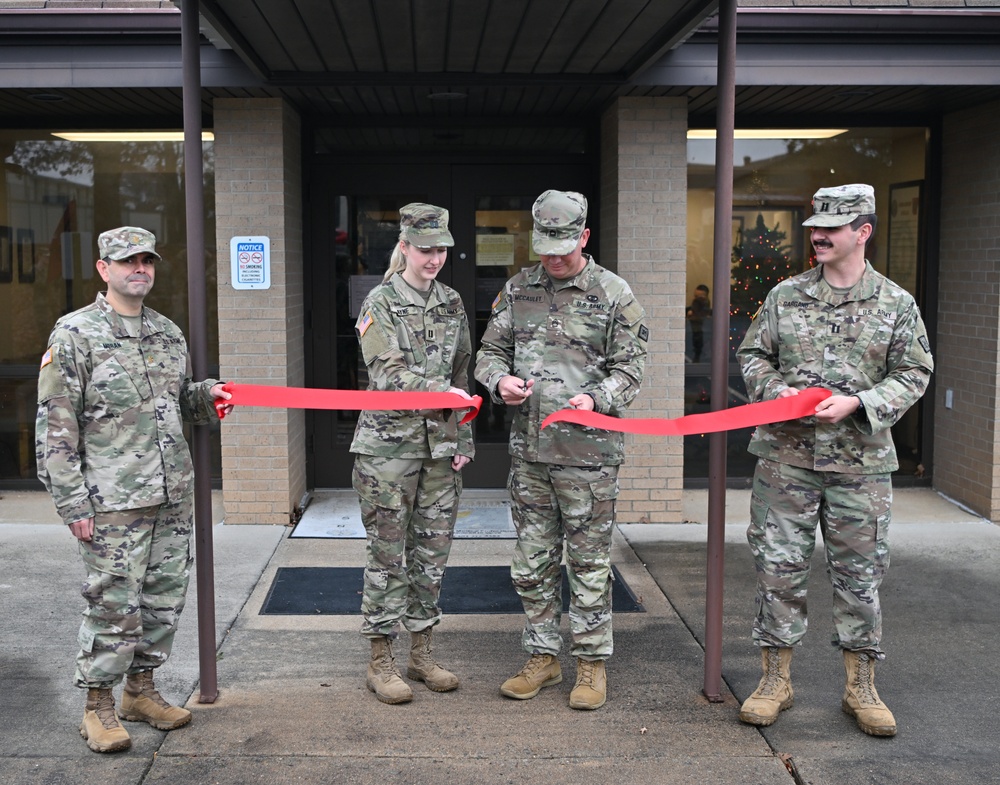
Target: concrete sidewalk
(293, 706)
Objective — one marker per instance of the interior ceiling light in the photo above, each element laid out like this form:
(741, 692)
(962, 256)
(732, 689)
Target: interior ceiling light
(770, 133)
(128, 136)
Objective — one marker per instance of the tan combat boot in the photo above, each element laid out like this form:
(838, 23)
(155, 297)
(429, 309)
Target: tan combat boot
(141, 702)
(860, 698)
(383, 678)
(591, 688)
(542, 670)
(100, 727)
(423, 668)
(774, 694)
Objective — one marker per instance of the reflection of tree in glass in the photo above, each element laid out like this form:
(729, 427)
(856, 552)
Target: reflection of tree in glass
(44, 158)
(89, 187)
(47, 157)
(844, 149)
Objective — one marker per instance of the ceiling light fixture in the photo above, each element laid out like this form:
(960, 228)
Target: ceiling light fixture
(128, 136)
(770, 133)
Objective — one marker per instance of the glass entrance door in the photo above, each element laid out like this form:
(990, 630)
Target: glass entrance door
(355, 223)
(492, 211)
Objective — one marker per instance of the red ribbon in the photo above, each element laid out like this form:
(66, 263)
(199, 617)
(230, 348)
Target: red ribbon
(778, 410)
(372, 400)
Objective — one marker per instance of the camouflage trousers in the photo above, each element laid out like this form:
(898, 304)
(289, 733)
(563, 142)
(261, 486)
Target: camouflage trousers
(138, 566)
(408, 507)
(853, 513)
(553, 505)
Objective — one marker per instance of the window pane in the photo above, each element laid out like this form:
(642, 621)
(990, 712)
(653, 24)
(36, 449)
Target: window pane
(774, 180)
(56, 197)
(503, 247)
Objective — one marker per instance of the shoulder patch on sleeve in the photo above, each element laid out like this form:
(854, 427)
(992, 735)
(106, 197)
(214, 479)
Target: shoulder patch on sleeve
(499, 303)
(364, 323)
(374, 341)
(924, 343)
(52, 382)
(632, 313)
(643, 333)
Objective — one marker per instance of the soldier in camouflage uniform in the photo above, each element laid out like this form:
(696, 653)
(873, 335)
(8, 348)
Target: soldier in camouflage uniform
(844, 327)
(113, 389)
(414, 336)
(565, 332)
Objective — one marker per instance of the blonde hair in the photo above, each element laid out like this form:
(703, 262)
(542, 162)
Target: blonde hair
(397, 262)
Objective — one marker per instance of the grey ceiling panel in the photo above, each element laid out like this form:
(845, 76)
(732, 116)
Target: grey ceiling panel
(378, 61)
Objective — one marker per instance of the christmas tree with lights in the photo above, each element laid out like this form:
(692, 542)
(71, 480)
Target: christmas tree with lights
(760, 260)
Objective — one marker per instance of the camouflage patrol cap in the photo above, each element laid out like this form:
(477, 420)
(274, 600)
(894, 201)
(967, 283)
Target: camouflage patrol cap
(840, 205)
(126, 241)
(560, 218)
(425, 225)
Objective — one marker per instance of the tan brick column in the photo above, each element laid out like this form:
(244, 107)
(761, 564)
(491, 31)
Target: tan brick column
(643, 231)
(258, 182)
(966, 437)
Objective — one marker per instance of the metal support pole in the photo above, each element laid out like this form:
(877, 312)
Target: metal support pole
(194, 198)
(722, 265)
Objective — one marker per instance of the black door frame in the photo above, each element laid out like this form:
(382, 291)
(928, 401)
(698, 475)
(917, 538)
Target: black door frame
(452, 184)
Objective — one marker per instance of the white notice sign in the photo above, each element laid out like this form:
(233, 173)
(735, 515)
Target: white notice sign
(494, 250)
(250, 262)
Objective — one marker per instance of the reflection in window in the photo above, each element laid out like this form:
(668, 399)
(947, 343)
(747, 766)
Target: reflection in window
(503, 247)
(366, 231)
(56, 197)
(774, 180)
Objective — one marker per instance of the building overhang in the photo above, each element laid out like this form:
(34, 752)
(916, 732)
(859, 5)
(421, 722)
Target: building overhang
(791, 62)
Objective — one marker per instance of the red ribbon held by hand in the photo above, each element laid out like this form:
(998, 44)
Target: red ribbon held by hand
(778, 410)
(372, 400)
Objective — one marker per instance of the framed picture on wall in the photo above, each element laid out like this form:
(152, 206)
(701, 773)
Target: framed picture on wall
(26, 255)
(6, 254)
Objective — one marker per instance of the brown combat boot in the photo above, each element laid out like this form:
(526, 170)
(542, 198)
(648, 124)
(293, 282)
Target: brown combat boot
(142, 702)
(591, 688)
(100, 727)
(774, 694)
(423, 668)
(861, 699)
(542, 670)
(383, 678)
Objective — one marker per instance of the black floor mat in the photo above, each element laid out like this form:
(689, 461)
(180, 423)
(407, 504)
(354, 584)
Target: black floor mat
(312, 591)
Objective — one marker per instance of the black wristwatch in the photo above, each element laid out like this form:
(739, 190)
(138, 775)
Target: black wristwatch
(860, 411)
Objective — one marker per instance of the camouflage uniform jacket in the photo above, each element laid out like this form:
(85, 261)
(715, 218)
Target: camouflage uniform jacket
(109, 433)
(871, 343)
(413, 346)
(584, 334)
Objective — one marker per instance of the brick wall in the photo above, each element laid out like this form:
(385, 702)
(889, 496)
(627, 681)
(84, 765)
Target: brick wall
(643, 231)
(258, 175)
(966, 445)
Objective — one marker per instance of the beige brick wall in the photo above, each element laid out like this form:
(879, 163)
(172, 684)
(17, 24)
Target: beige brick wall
(258, 175)
(966, 444)
(643, 231)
